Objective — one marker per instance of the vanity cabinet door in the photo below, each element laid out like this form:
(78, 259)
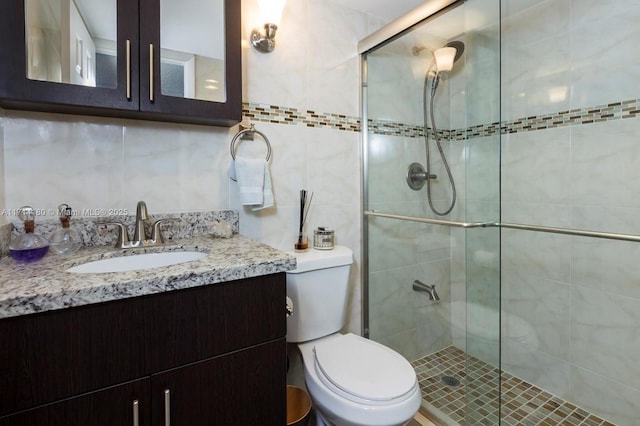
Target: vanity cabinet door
(219, 350)
(69, 55)
(198, 323)
(58, 354)
(247, 387)
(127, 404)
(190, 68)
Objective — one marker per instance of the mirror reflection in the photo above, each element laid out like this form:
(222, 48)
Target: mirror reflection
(71, 41)
(74, 42)
(192, 49)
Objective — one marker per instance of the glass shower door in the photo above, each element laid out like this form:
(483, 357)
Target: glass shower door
(432, 282)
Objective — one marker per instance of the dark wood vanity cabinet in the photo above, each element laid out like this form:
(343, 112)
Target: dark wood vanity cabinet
(201, 356)
(117, 405)
(133, 88)
(241, 388)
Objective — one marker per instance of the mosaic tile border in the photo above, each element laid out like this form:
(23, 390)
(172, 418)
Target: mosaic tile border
(598, 114)
(522, 403)
(288, 115)
(309, 118)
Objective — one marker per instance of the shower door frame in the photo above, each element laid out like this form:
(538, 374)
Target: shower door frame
(384, 35)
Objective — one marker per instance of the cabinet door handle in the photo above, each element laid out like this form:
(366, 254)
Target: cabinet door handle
(136, 418)
(151, 72)
(128, 54)
(167, 407)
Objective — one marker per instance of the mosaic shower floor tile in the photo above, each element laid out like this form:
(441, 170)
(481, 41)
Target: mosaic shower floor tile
(464, 390)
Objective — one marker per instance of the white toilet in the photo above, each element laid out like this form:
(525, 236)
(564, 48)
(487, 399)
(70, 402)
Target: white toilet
(352, 381)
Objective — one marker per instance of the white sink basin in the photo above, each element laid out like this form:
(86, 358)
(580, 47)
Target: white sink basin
(136, 262)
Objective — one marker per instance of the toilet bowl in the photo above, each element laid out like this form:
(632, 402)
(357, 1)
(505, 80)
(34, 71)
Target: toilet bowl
(352, 381)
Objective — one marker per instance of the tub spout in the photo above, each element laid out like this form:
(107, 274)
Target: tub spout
(430, 289)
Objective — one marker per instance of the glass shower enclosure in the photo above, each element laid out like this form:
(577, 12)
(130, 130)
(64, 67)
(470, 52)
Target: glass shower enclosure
(500, 205)
(433, 285)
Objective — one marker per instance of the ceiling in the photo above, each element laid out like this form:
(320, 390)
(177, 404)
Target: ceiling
(387, 10)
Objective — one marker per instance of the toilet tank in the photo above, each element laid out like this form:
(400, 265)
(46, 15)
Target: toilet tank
(318, 288)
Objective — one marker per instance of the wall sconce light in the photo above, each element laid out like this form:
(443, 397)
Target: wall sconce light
(270, 13)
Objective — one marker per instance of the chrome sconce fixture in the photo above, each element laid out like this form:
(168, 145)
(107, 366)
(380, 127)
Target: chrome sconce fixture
(270, 13)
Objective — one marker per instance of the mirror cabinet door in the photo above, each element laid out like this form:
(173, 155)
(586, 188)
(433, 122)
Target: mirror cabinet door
(192, 59)
(72, 41)
(192, 49)
(69, 55)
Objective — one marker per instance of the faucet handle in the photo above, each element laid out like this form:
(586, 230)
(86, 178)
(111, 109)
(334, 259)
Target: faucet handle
(155, 232)
(123, 233)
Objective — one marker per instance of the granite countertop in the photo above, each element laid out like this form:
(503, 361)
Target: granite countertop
(27, 288)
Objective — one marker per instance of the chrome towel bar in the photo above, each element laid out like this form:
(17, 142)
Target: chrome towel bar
(519, 226)
(449, 223)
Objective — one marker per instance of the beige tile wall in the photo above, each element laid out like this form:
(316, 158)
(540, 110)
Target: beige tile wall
(578, 294)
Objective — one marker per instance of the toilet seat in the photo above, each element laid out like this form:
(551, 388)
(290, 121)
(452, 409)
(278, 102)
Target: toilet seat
(364, 371)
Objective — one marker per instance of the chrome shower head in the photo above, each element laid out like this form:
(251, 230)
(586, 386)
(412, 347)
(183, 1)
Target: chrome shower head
(459, 46)
(447, 55)
(444, 58)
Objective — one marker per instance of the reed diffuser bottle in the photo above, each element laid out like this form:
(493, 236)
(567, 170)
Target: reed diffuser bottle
(302, 243)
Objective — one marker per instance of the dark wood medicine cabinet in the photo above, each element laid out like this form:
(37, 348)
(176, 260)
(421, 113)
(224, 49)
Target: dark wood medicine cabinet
(163, 60)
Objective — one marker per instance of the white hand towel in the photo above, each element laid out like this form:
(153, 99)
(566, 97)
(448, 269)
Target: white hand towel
(254, 181)
(267, 193)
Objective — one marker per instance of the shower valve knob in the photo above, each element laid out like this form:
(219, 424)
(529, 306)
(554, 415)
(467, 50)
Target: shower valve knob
(417, 176)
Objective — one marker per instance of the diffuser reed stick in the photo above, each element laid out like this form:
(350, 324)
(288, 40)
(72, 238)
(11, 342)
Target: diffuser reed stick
(305, 202)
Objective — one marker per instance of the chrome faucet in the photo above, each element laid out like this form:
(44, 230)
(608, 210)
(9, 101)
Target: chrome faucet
(140, 238)
(430, 289)
(139, 233)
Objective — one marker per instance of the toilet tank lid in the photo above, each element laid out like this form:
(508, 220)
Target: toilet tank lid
(313, 259)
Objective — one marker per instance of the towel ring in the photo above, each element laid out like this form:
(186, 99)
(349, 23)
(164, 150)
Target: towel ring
(249, 131)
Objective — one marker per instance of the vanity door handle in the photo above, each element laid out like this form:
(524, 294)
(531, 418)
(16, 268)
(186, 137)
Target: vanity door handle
(151, 72)
(128, 54)
(136, 413)
(167, 407)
